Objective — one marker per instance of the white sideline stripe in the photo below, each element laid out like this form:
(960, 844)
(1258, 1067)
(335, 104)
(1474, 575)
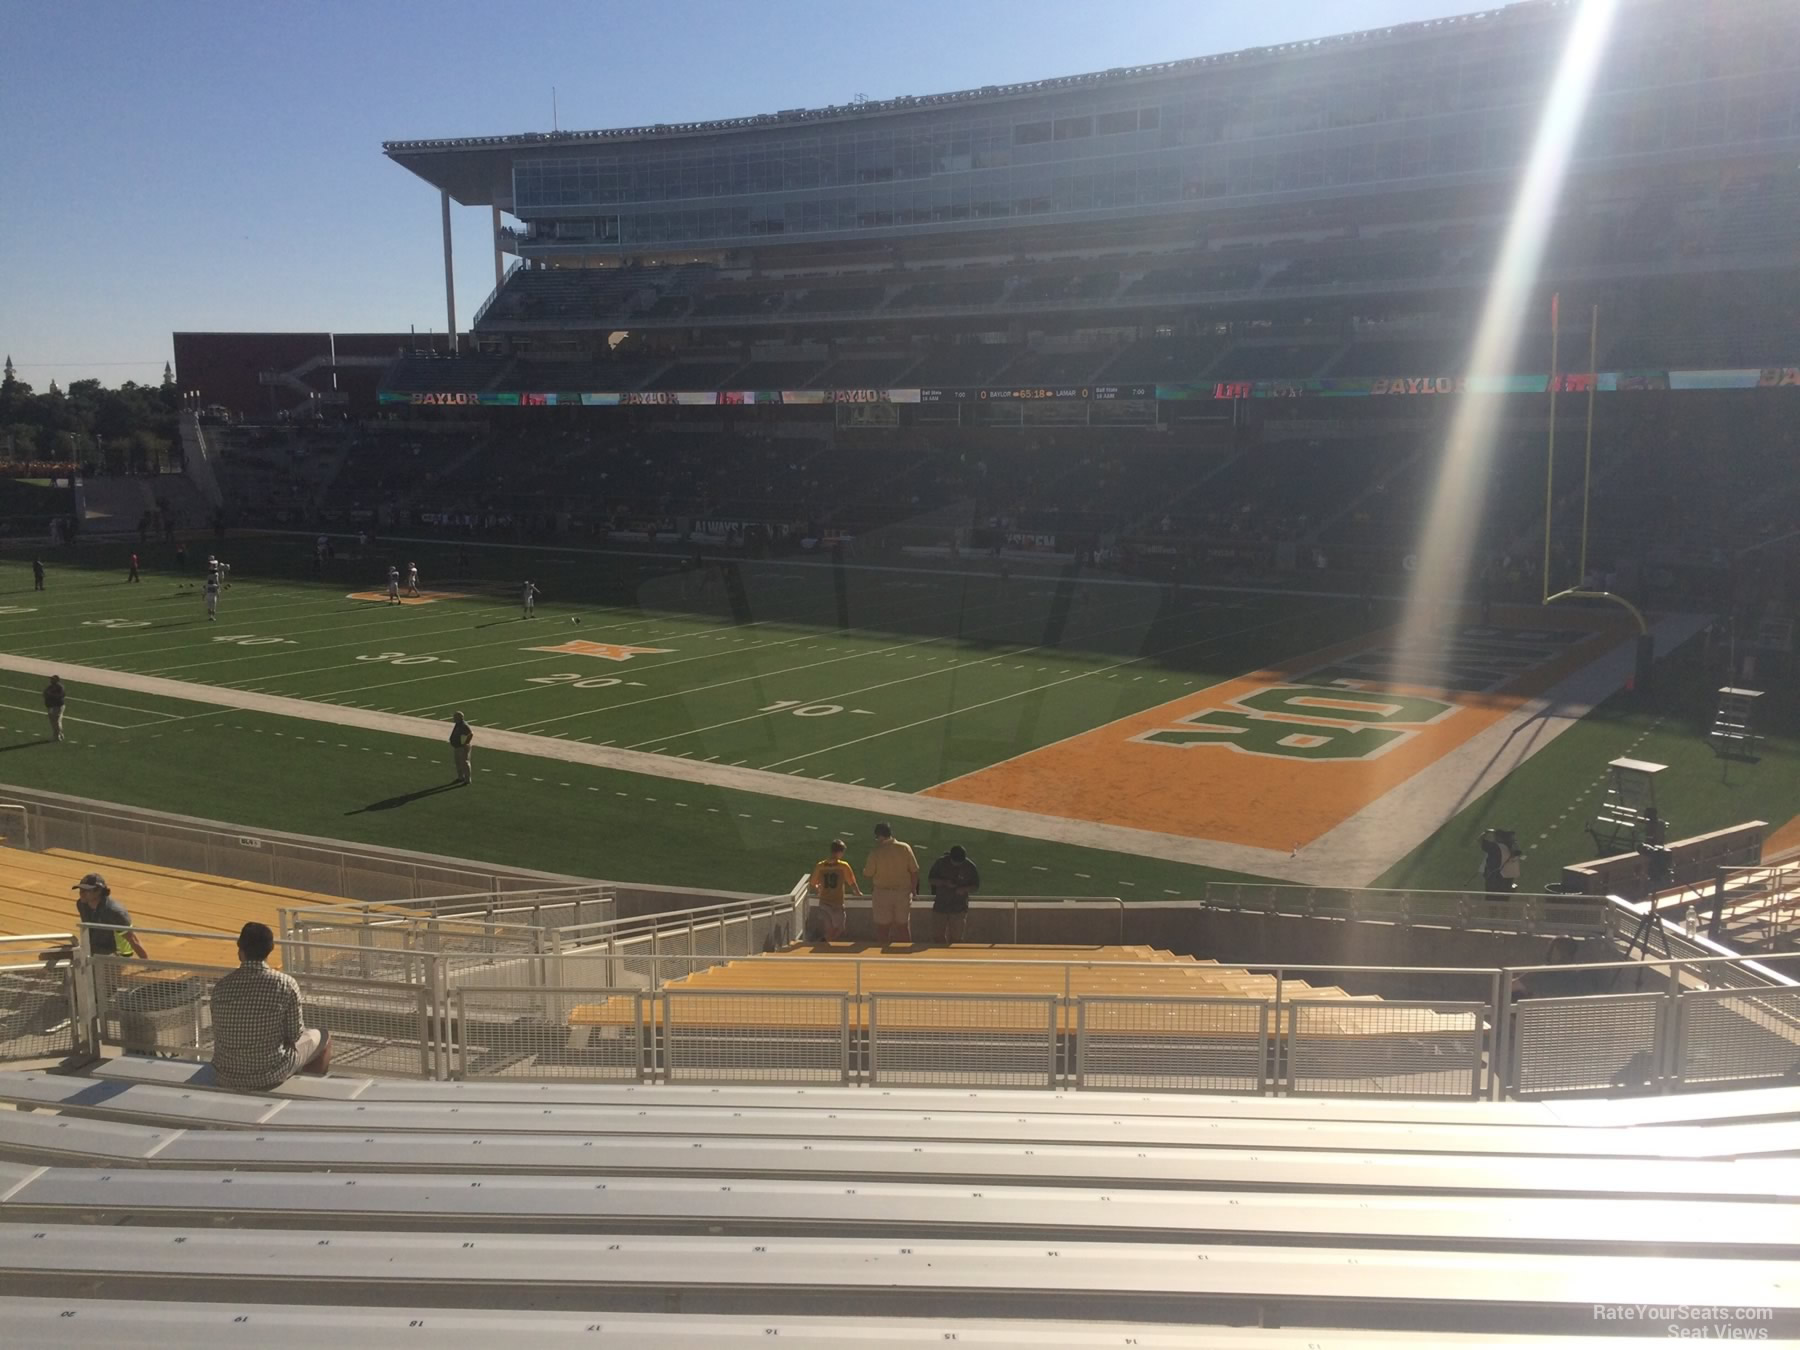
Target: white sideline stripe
(71, 717)
(874, 801)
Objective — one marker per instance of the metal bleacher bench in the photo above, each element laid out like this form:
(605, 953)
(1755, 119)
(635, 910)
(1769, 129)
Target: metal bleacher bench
(707, 1205)
(1690, 1108)
(42, 1138)
(1483, 1291)
(52, 1324)
(155, 1104)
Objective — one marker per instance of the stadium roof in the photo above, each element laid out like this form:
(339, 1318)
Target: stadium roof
(477, 170)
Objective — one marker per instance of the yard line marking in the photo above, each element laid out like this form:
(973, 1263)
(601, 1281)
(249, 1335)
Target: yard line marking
(1034, 689)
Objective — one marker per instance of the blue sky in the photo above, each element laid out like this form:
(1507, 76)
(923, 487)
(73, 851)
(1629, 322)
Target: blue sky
(216, 164)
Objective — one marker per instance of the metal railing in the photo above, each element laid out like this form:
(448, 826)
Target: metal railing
(1573, 915)
(35, 1000)
(1661, 1025)
(372, 874)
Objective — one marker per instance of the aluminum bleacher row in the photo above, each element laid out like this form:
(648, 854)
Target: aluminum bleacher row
(337, 1206)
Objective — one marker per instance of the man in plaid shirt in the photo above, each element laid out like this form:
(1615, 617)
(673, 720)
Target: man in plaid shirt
(258, 1042)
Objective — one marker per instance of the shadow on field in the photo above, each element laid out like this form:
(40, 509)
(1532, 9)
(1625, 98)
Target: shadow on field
(390, 803)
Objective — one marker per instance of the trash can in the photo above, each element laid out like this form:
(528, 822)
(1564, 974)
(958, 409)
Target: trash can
(161, 1017)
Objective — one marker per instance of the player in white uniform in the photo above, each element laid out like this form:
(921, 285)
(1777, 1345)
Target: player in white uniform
(212, 597)
(412, 579)
(393, 585)
(530, 600)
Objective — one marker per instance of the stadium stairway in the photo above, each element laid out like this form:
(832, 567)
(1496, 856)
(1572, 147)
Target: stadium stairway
(1354, 1236)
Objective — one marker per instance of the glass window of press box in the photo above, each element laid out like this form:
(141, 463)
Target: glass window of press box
(1333, 122)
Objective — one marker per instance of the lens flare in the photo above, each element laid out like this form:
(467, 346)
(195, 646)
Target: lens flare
(1453, 523)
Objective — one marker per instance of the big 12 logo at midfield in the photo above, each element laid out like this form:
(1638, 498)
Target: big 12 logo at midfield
(1306, 722)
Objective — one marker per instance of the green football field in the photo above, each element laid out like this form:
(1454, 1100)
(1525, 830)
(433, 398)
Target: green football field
(886, 677)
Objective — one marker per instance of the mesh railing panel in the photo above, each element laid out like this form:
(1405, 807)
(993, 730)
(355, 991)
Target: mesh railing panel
(1172, 1045)
(759, 1036)
(165, 1008)
(1734, 1036)
(367, 880)
(1388, 1048)
(306, 872)
(381, 1029)
(566, 1032)
(188, 852)
(35, 1013)
(155, 1007)
(1586, 1044)
(968, 1039)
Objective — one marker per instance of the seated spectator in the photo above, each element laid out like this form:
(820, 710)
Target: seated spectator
(258, 1042)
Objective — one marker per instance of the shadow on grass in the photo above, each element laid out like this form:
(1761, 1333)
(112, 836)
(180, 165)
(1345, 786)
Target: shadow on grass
(26, 745)
(405, 799)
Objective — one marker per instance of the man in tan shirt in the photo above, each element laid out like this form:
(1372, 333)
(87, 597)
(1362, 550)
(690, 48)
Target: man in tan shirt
(893, 874)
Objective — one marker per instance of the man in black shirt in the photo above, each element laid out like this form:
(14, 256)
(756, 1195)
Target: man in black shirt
(54, 697)
(37, 574)
(460, 737)
(952, 877)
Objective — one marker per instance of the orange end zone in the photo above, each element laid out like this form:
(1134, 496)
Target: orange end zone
(422, 598)
(1277, 758)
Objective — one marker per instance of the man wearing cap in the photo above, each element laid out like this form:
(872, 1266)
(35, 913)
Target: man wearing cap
(893, 873)
(460, 738)
(111, 934)
(952, 877)
(258, 1042)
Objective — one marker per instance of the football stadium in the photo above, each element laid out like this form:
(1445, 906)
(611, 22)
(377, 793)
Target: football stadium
(1147, 708)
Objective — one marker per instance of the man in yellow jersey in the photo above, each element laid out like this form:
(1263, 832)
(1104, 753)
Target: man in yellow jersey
(893, 873)
(828, 881)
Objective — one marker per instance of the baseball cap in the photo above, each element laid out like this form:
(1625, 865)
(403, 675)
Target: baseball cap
(92, 879)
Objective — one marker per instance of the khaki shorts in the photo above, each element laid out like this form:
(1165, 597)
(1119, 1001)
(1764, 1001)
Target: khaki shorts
(891, 907)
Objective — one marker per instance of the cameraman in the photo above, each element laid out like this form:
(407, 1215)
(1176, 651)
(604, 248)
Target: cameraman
(1500, 859)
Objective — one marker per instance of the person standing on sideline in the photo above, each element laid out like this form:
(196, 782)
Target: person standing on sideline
(893, 872)
(530, 598)
(212, 597)
(393, 585)
(54, 697)
(181, 556)
(412, 579)
(37, 574)
(952, 877)
(134, 569)
(827, 883)
(258, 1040)
(460, 737)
